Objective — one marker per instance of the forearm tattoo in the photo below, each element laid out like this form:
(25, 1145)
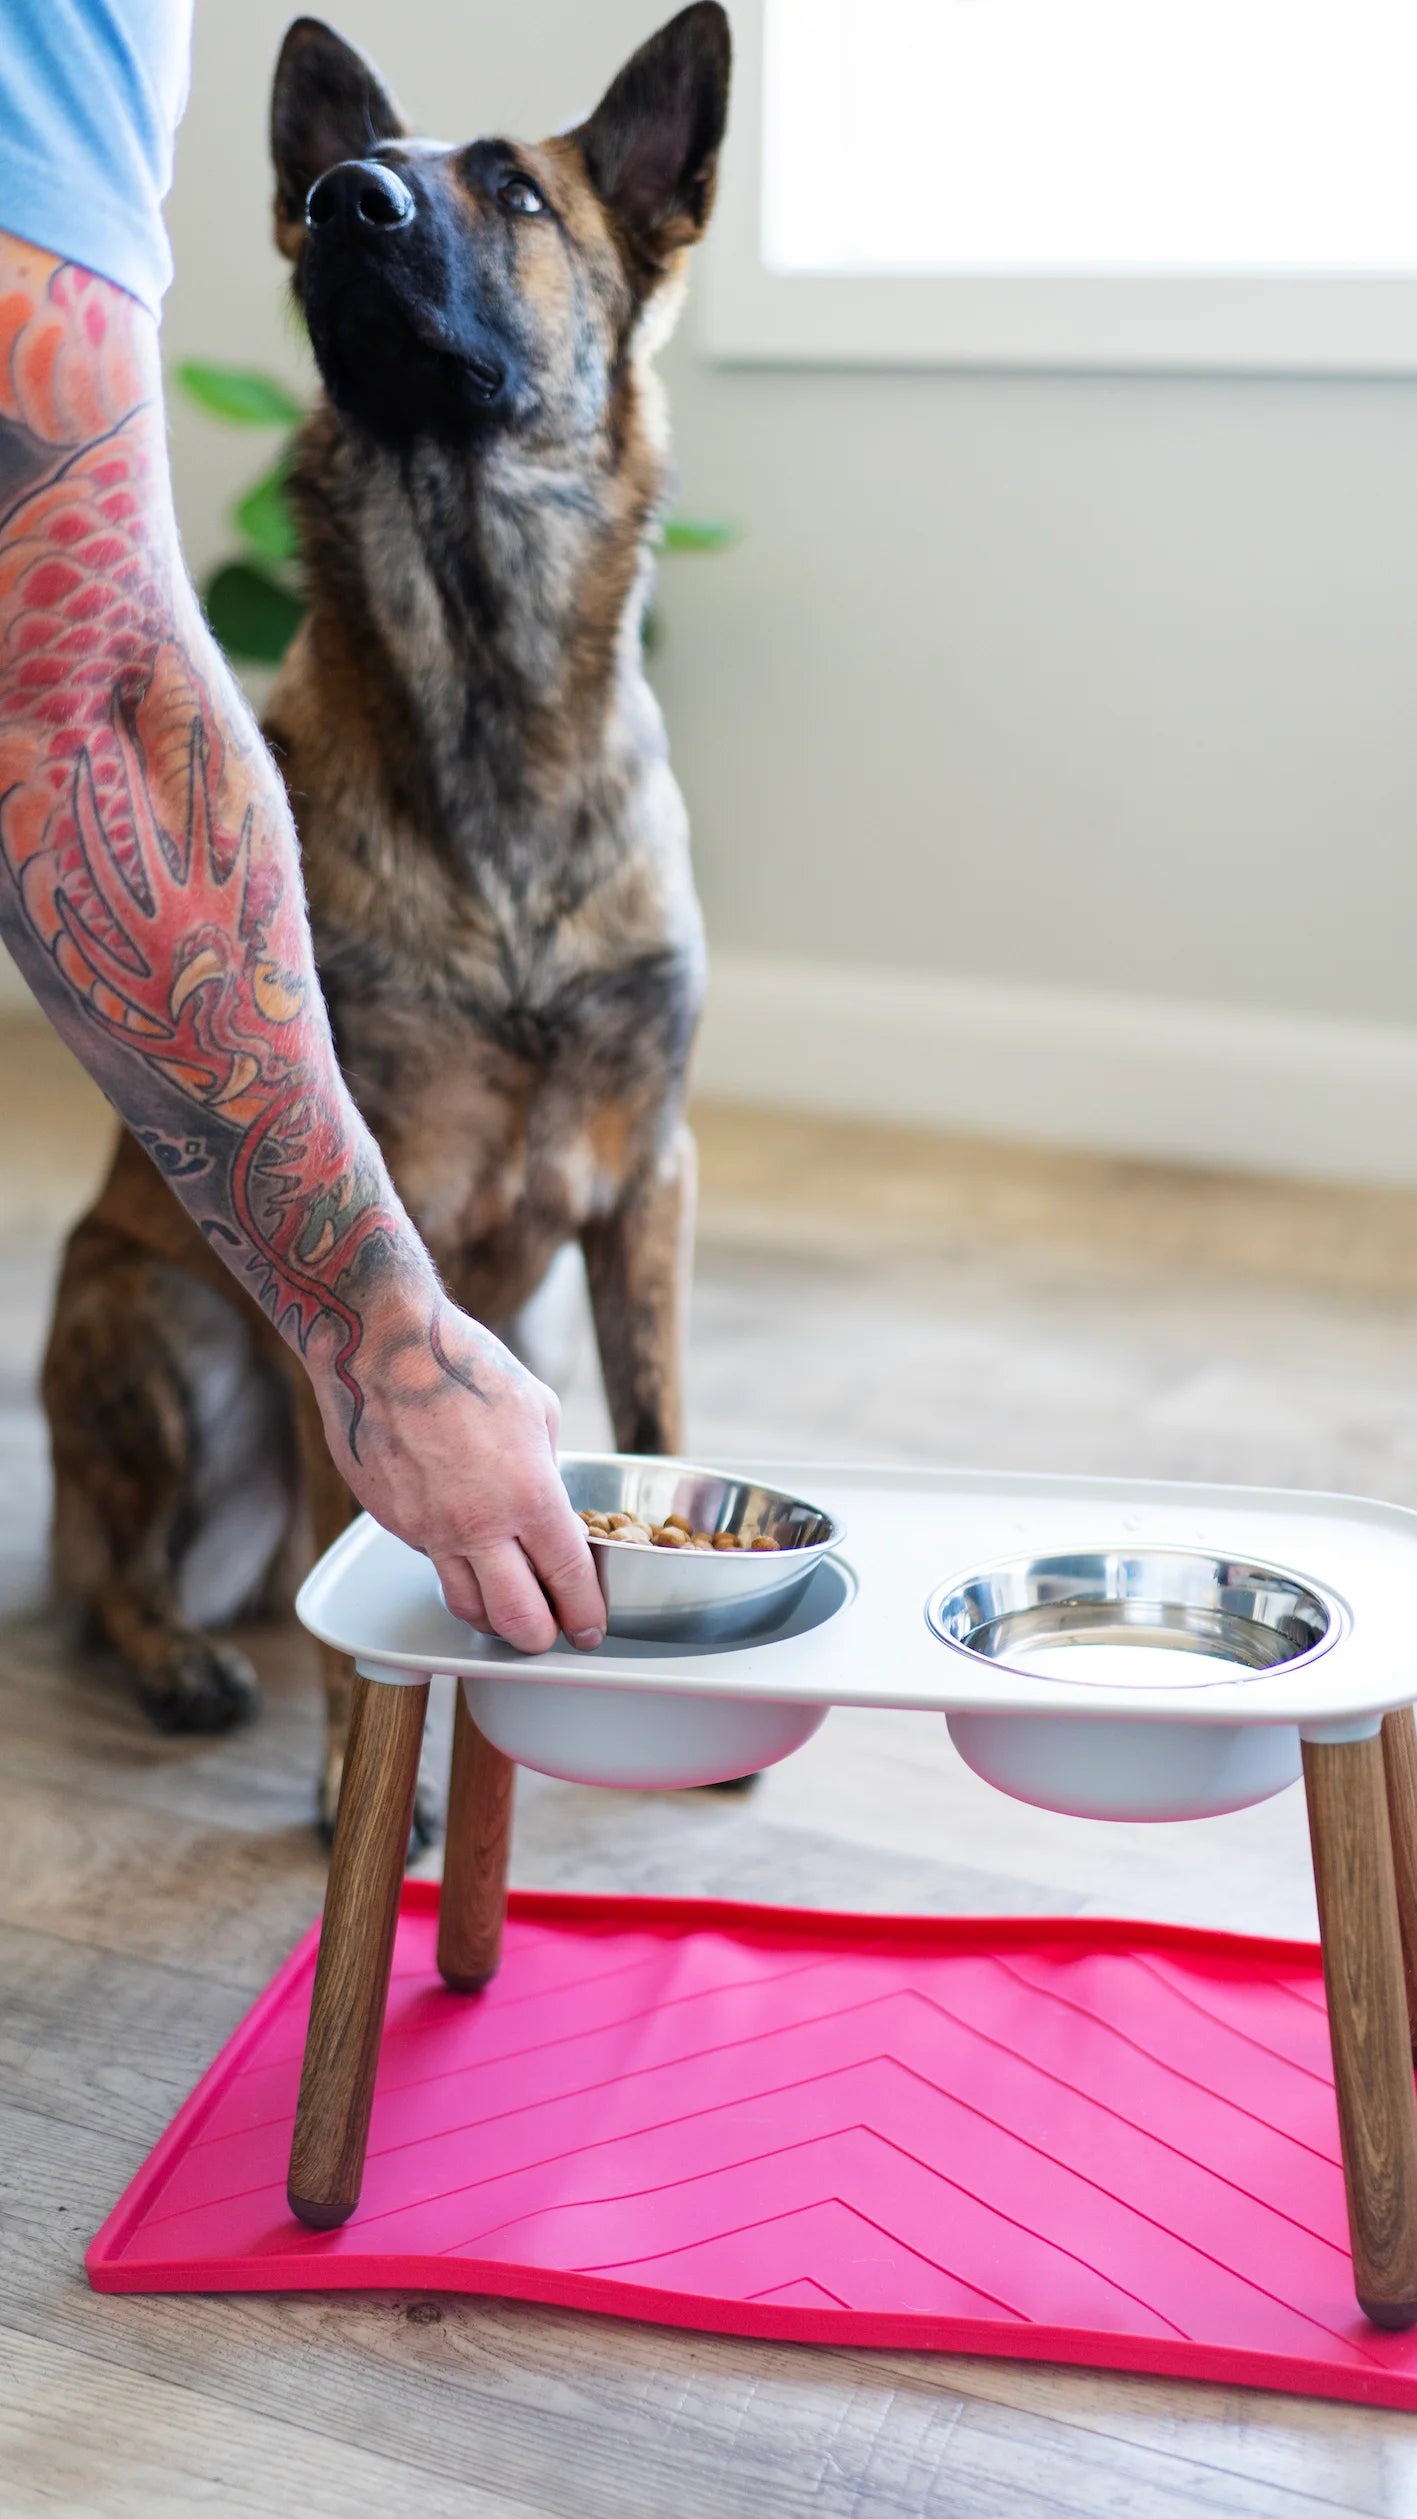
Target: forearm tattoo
(150, 884)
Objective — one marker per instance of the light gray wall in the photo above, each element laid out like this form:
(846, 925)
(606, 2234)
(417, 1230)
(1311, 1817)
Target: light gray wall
(1101, 682)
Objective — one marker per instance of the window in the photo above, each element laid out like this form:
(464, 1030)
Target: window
(1226, 183)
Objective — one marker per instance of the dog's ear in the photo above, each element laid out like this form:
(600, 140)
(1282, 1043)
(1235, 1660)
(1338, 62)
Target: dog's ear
(651, 146)
(328, 103)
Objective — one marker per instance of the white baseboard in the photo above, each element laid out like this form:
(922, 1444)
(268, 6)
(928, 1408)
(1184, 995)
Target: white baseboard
(1168, 1080)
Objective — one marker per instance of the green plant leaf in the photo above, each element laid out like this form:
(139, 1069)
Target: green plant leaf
(264, 518)
(242, 395)
(251, 613)
(696, 533)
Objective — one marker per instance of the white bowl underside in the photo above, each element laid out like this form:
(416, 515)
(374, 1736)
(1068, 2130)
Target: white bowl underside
(641, 1739)
(1093, 1767)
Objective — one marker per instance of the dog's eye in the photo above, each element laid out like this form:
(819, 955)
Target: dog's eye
(517, 192)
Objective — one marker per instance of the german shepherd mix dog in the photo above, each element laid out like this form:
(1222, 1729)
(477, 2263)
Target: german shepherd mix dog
(495, 850)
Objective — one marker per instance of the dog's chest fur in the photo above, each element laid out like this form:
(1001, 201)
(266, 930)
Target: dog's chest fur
(496, 851)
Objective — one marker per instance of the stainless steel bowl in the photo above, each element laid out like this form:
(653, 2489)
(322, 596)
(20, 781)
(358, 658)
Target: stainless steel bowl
(677, 1595)
(1175, 1600)
(1132, 1618)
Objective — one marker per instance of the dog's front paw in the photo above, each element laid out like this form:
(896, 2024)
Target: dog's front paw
(200, 1687)
(331, 1777)
(427, 1825)
(425, 1828)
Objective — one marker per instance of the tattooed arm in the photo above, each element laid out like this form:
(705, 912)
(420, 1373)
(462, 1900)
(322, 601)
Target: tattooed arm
(150, 892)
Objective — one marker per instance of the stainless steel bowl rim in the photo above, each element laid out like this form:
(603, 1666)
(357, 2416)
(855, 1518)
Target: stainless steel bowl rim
(1031, 1561)
(836, 1532)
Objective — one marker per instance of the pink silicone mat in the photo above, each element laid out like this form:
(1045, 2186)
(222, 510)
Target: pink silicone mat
(1071, 2141)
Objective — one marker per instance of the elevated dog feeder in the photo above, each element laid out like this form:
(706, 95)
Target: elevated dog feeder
(1096, 1646)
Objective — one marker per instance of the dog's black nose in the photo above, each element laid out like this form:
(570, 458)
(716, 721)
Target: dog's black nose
(359, 194)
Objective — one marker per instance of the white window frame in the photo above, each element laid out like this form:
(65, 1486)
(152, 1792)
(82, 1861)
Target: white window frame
(1297, 323)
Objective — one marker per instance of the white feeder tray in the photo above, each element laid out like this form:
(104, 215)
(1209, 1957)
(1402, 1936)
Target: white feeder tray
(1117, 1649)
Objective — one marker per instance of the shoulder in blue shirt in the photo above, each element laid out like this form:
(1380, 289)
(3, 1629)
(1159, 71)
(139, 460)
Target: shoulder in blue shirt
(91, 93)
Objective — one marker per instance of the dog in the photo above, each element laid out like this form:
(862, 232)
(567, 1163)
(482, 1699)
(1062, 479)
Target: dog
(495, 851)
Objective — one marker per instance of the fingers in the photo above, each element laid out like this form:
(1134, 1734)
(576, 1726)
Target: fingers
(505, 1595)
(558, 1549)
(517, 1608)
(463, 1593)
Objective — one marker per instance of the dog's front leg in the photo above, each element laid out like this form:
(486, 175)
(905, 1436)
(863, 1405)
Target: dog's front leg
(332, 1509)
(637, 1264)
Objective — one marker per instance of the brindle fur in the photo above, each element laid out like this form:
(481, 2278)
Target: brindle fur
(495, 850)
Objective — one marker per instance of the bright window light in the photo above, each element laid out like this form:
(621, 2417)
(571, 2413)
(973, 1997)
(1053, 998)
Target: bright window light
(1128, 137)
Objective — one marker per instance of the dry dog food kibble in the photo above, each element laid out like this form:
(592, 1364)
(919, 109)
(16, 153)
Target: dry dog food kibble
(673, 1532)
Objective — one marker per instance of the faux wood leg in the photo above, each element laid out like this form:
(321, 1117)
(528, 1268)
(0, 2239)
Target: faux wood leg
(1367, 2010)
(356, 1949)
(1400, 1761)
(474, 1900)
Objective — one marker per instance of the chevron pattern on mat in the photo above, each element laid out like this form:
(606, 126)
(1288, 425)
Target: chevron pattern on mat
(1107, 2143)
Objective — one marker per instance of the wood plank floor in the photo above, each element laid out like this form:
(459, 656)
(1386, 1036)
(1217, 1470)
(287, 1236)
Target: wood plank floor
(860, 1294)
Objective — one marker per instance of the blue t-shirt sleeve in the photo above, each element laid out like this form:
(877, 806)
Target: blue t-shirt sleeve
(91, 93)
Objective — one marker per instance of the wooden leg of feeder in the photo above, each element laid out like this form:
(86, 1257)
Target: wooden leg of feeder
(1367, 2009)
(474, 1899)
(356, 1950)
(1400, 1761)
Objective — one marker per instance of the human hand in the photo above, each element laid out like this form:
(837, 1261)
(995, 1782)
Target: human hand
(455, 1452)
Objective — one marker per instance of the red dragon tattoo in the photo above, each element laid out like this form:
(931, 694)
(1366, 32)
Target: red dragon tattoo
(172, 926)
